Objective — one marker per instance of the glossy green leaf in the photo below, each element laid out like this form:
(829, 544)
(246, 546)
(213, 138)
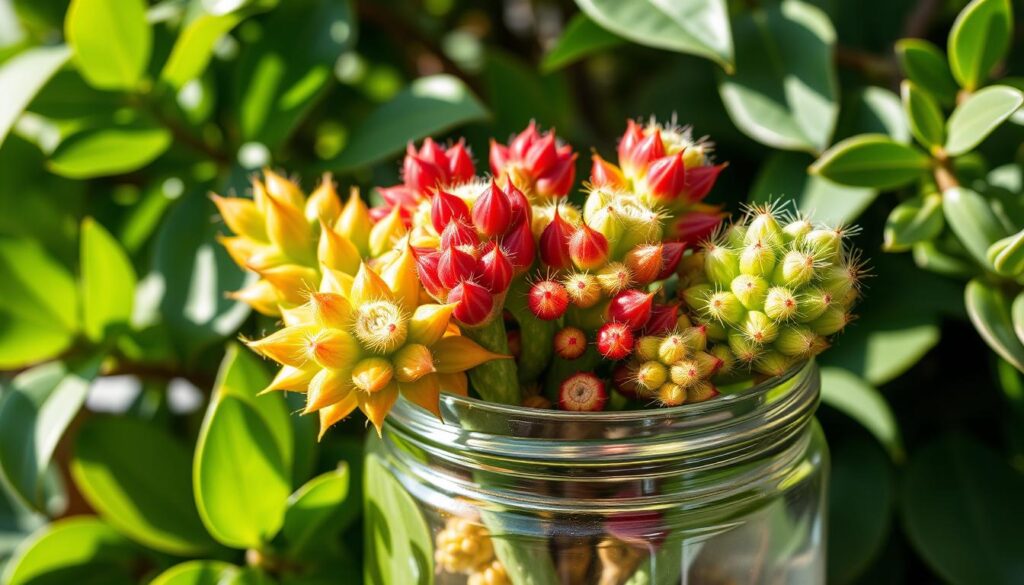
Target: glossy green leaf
(194, 47)
(111, 150)
(108, 282)
(935, 257)
(855, 398)
(873, 110)
(978, 40)
(872, 160)
(519, 95)
(581, 38)
(39, 312)
(196, 573)
(399, 547)
(917, 220)
(962, 511)
(249, 576)
(138, 477)
(697, 27)
(430, 105)
(1017, 316)
(240, 478)
(783, 93)
(973, 120)
(971, 218)
(1007, 255)
(989, 310)
(17, 522)
(82, 550)
(314, 510)
(22, 77)
(926, 66)
(34, 414)
(926, 120)
(110, 41)
(783, 176)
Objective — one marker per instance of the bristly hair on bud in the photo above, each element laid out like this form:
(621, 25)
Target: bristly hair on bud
(570, 343)
(583, 289)
(582, 391)
(615, 340)
(548, 299)
(645, 262)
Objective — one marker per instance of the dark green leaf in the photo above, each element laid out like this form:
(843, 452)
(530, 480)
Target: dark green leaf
(855, 398)
(82, 550)
(784, 177)
(873, 110)
(314, 510)
(137, 477)
(518, 95)
(22, 77)
(196, 573)
(697, 27)
(110, 150)
(110, 41)
(108, 282)
(398, 542)
(962, 511)
(925, 65)
(872, 160)
(969, 216)
(978, 40)
(976, 118)
(989, 309)
(429, 106)
(934, 256)
(926, 120)
(918, 220)
(582, 37)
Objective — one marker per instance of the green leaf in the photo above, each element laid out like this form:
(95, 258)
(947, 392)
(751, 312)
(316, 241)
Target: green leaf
(82, 550)
(196, 573)
(1017, 316)
(138, 478)
(581, 38)
(962, 511)
(110, 41)
(39, 312)
(430, 105)
(1007, 255)
(194, 47)
(979, 38)
(314, 511)
(873, 110)
(22, 77)
(240, 479)
(935, 256)
(784, 176)
(855, 398)
(989, 310)
(925, 65)
(399, 548)
(973, 120)
(111, 150)
(518, 95)
(34, 414)
(872, 160)
(696, 27)
(917, 220)
(791, 41)
(108, 282)
(971, 218)
(926, 120)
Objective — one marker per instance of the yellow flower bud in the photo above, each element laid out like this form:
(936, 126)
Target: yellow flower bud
(412, 362)
(282, 189)
(458, 354)
(289, 231)
(260, 295)
(288, 346)
(336, 251)
(242, 217)
(354, 222)
(429, 322)
(372, 374)
(292, 282)
(376, 405)
(333, 348)
(330, 310)
(386, 232)
(323, 204)
(327, 387)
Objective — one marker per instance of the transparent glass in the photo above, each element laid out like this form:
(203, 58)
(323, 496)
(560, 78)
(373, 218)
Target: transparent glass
(727, 491)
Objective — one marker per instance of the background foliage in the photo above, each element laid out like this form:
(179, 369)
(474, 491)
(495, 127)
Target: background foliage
(117, 117)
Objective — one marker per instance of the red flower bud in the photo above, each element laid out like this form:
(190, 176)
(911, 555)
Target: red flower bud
(431, 152)
(520, 205)
(645, 262)
(700, 180)
(588, 248)
(649, 149)
(458, 234)
(582, 391)
(632, 307)
(474, 303)
(444, 208)
(523, 141)
(426, 268)
(570, 343)
(694, 226)
(492, 211)
(495, 271)
(671, 254)
(518, 244)
(421, 175)
(614, 340)
(624, 378)
(541, 155)
(663, 319)
(666, 177)
(630, 138)
(554, 243)
(548, 300)
(605, 174)
(455, 266)
(499, 157)
(558, 180)
(460, 164)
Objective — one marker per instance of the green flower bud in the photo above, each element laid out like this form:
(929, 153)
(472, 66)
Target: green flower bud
(596, 200)
(721, 265)
(697, 297)
(772, 363)
(746, 351)
(608, 222)
(724, 307)
(832, 321)
(839, 280)
(780, 304)
(794, 232)
(723, 353)
(646, 348)
(651, 375)
(734, 236)
(750, 290)
(796, 269)
(695, 338)
(827, 244)
(759, 328)
(715, 331)
(813, 302)
(796, 341)
(757, 259)
(764, 228)
(672, 349)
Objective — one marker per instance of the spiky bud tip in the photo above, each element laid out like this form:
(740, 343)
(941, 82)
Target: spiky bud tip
(582, 391)
(570, 343)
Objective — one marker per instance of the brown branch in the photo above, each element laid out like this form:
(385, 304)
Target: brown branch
(920, 18)
(869, 64)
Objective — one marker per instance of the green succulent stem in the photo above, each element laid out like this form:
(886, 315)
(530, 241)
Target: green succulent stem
(537, 335)
(497, 380)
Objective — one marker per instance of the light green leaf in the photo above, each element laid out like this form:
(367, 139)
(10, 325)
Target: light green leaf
(917, 220)
(314, 510)
(925, 65)
(784, 176)
(926, 120)
(196, 573)
(430, 105)
(962, 511)
(22, 77)
(697, 27)
(989, 309)
(108, 282)
(399, 547)
(194, 47)
(969, 216)
(581, 38)
(110, 41)
(973, 120)
(979, 38)
(872, 160)
(873, 110)
(1017, 316)
(111, 150)
(1007, 255)
(783, 93)
(39, 312)
(935, 256)
(82, 550)
(240, 479)
(137, 477)
(855, 398)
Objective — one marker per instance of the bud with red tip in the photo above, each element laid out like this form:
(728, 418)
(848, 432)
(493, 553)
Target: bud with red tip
(519, 244)
(548, 300)
(696, 225)
(645, 262)
(588, 248)
(666, 178)
(475, 303)
(554, 243)
(605, 174)
(536, 163)
(520, 205)
(614, 340)
(492, 211)
(663, 319)
(423, 171)
(454, 266)
(700, 180)
(495, 270)
(427, 262)
(671, 254)
(570, 343)
(583, 392)
(632, 307)
(446, 208)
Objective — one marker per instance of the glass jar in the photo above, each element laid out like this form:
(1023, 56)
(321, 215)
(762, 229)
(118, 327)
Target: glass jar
(728, 491)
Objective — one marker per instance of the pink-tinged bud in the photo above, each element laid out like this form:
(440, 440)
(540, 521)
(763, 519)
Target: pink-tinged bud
(420, 174)
(630, 138)
(558, 180)
(648, 150)
(701, 391)
(459, 234)
(548, 300)
(605, 174)
(696, 225)
(671, 254)
(614, 340)
(541, 155)
(495, 270)
(588, 248)
(474, 303)
(492, 211)
(700, 180)
(455, 266)
(583, 392)
(570, 343)
(460, 164)
(645, 262)
(519, 245)
(499, 156)
(632, 307)
(445, 207)
(427, 269)
(520, 205)
(663, 319)
(666, 178)
(554, 243)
